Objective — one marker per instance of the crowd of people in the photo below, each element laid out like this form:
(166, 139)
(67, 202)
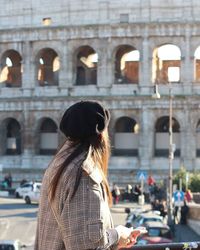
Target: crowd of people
(157, 198)
(130, 193)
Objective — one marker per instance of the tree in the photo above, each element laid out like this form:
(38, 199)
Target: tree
(195, 182)
(181, 174)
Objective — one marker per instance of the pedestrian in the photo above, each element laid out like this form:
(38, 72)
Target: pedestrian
(163, 208)
(184, 213)
(9, 179)
(6, 181)
(128, 192)
(74, 203)
(115, 193)
(188, 196)
(22, 182)
(150, 180)
(137, 191)
(156, 205)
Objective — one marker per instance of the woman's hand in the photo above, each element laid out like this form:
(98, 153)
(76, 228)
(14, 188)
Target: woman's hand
(135, 233)
(128, 236)
(124, 234)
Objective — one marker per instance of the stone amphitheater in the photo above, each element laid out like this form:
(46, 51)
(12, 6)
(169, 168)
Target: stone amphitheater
(123, 53)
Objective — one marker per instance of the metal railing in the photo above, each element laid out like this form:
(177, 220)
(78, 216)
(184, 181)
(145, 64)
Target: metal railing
(168, 246)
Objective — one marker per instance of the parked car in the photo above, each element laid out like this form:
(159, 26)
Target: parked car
(22, 189)
(158, 233)
(34, 194)
(140, 219)
(131, 215)
(10, 245)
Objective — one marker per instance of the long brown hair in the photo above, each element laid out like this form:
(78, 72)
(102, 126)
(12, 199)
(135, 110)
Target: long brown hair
(99, 146)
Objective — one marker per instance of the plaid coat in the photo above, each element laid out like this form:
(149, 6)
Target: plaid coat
(78, 223)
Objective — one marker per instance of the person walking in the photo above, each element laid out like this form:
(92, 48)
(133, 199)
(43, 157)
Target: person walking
(75, 197)
(184, 213)
(188, 196)
(115, 193)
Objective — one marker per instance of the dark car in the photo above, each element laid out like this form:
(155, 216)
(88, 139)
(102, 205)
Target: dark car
(158, 233)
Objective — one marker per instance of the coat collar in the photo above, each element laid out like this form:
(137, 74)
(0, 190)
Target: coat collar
(91, 169)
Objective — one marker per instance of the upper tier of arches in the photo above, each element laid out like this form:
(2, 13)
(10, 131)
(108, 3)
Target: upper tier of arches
(126, 62)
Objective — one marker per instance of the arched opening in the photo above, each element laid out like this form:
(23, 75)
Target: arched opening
(162, 137)
(126, 139)
(127, 65)
(166, 64)
(86, 66)
(197, 65)
(48, 66)
(48, 137)
(13, 137)
(11, 69)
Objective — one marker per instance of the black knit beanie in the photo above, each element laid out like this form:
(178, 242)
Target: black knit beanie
(84, 119)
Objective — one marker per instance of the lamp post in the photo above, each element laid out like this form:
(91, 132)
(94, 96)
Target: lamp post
(171, 78)
(171, 157)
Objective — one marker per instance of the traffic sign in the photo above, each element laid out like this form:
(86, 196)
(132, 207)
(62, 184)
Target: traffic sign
(141, 175)
(178, 198)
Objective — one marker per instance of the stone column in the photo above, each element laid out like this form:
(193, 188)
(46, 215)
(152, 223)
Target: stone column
(64, 80)
(146, 87)
(146, 138)
(187, 141)
(103, 7)
(187, 65)
(110, 71)
(28, 142)
(144, 73)
(28, 64)
(104, 73)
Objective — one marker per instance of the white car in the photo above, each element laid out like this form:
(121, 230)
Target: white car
(140, 219)
(34, 194)
(10, 245)
(24, 188)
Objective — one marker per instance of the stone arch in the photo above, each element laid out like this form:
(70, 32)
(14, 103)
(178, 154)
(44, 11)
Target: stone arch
(126, 139)
(127, 60)
(11, 69)
(47, 67)
(11, 137)
(162, 136)
(46, 136)
(46, 45)
(166, 64)
(86, 64)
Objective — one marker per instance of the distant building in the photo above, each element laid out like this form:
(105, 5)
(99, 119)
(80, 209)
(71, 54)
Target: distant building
(53, 53)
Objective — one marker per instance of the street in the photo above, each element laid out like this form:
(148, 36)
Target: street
(18, 221)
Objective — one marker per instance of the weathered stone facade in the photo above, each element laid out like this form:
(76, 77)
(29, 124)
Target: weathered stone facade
(104, 26)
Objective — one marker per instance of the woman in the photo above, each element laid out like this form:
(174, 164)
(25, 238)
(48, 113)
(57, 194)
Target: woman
(75, 197)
